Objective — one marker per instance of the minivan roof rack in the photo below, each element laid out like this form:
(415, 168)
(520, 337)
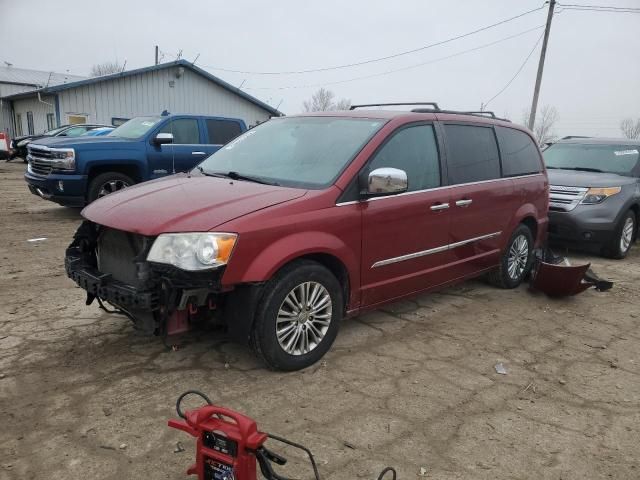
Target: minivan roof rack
(477, 113)
(569, 137)
(434, 105)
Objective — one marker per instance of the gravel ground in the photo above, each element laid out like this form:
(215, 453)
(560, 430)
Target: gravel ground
(412, 385)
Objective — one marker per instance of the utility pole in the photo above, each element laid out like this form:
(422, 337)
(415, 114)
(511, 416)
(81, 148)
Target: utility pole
(543, 53)
(157, 54)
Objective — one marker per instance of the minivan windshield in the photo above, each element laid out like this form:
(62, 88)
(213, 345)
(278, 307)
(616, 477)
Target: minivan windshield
(305, 152)
(620, 159)
(55, 131)
(135, 128)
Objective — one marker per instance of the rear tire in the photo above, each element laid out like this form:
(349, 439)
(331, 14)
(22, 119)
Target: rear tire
(287, 337)
(106, 183)
(623, 237)
(515, 261)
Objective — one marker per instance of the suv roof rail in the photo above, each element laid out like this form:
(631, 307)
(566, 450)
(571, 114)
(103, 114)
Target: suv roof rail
(433, 105)
(476, 113)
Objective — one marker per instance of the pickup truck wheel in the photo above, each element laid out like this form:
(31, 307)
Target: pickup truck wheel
(623, 237)
(107, 183)
(516, 260)
(298, 317)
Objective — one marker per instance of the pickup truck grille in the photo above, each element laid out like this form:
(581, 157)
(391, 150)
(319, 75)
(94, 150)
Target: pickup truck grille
(565, 199)
(39, 159)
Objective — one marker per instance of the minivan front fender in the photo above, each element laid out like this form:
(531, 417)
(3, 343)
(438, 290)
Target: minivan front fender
(260, 266)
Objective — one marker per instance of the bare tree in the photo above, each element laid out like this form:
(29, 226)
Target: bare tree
(322, 101)
(105, 68)
(630, 129)
(543, 127)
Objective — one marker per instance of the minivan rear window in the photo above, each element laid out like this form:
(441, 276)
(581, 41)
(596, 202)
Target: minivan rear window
(519, 154)
(472, 153)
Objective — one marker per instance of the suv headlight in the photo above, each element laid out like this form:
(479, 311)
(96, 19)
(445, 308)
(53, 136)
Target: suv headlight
(193, 251)
(22, 143)
(63, 158)
(599, 195)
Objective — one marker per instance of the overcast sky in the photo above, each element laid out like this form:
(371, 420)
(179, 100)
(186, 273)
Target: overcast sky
(592, 73)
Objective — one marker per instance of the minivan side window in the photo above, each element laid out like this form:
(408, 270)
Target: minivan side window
(414, 150)
(185, 131)
(472, 153)
(519, 154)
(222, 131)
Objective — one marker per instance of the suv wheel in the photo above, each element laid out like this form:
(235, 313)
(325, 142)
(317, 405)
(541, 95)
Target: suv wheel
(623, 236)
(298, 317)
(515, 261)
(107, 183)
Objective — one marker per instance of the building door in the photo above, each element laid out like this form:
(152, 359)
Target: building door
(76, 119)
(30, 128)
(405, 236)
(19, 125)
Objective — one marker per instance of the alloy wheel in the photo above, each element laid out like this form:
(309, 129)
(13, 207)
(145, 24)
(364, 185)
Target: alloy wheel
(518, 257)
(627, 235)
(111, 187)
(304, 318)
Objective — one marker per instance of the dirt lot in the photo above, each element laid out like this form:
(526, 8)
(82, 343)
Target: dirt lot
(412, 386)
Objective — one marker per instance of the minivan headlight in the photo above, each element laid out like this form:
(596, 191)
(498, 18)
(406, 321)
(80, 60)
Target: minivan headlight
(193, 251)
(599, 195)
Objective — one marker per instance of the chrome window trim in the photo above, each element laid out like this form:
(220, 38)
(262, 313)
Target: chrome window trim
(351, 202)
(431, 251)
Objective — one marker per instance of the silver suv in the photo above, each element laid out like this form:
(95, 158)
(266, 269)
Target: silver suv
(594, 193)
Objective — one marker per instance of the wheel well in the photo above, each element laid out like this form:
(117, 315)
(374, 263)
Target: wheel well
(532, 225)
(336, 267)
(129, 170)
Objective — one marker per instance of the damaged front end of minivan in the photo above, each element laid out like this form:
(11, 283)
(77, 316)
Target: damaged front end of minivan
(140, 275)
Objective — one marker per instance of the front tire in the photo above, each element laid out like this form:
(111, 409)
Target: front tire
(298, 317)
(516, 260)
(623, 237)
(107, 183)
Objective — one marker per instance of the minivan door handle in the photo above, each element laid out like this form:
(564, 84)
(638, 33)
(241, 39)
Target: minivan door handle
(439, 206)
(464, 203)
(197, 153)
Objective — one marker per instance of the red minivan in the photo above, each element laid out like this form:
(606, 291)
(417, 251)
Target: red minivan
(308, 219)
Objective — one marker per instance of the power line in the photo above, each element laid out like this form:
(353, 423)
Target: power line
(598, 7)
(517, 72)
(379, 59)
(387, 72)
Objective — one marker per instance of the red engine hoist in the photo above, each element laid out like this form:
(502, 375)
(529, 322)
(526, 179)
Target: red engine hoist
(228, 444)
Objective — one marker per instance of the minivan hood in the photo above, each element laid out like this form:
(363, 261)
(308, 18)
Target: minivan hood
(183, 203)
(574, 178)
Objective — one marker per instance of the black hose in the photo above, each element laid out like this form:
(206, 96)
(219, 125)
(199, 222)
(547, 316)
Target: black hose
(385, 471)
(190, 392)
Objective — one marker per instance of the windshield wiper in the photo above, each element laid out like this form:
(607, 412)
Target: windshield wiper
(238, 176)
(207, 174)
(584, 169)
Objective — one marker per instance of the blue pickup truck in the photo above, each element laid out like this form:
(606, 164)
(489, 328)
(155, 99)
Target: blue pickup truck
(74, 172)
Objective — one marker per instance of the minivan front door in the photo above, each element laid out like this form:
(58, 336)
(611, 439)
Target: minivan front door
(405, 236)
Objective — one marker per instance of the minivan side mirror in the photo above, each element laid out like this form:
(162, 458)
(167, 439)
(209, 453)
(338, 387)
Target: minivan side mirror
(385, 181)
(163, 138)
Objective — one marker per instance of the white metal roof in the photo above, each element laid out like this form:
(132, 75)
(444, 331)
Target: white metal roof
(40, 78)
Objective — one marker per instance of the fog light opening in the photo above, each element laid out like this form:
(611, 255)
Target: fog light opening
(587, 235)
(61, 185)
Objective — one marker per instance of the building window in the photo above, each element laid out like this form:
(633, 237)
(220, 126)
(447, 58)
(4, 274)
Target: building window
(51, 121)
(30, 129)
(117, 121)
(18, 125)
(77, 119)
